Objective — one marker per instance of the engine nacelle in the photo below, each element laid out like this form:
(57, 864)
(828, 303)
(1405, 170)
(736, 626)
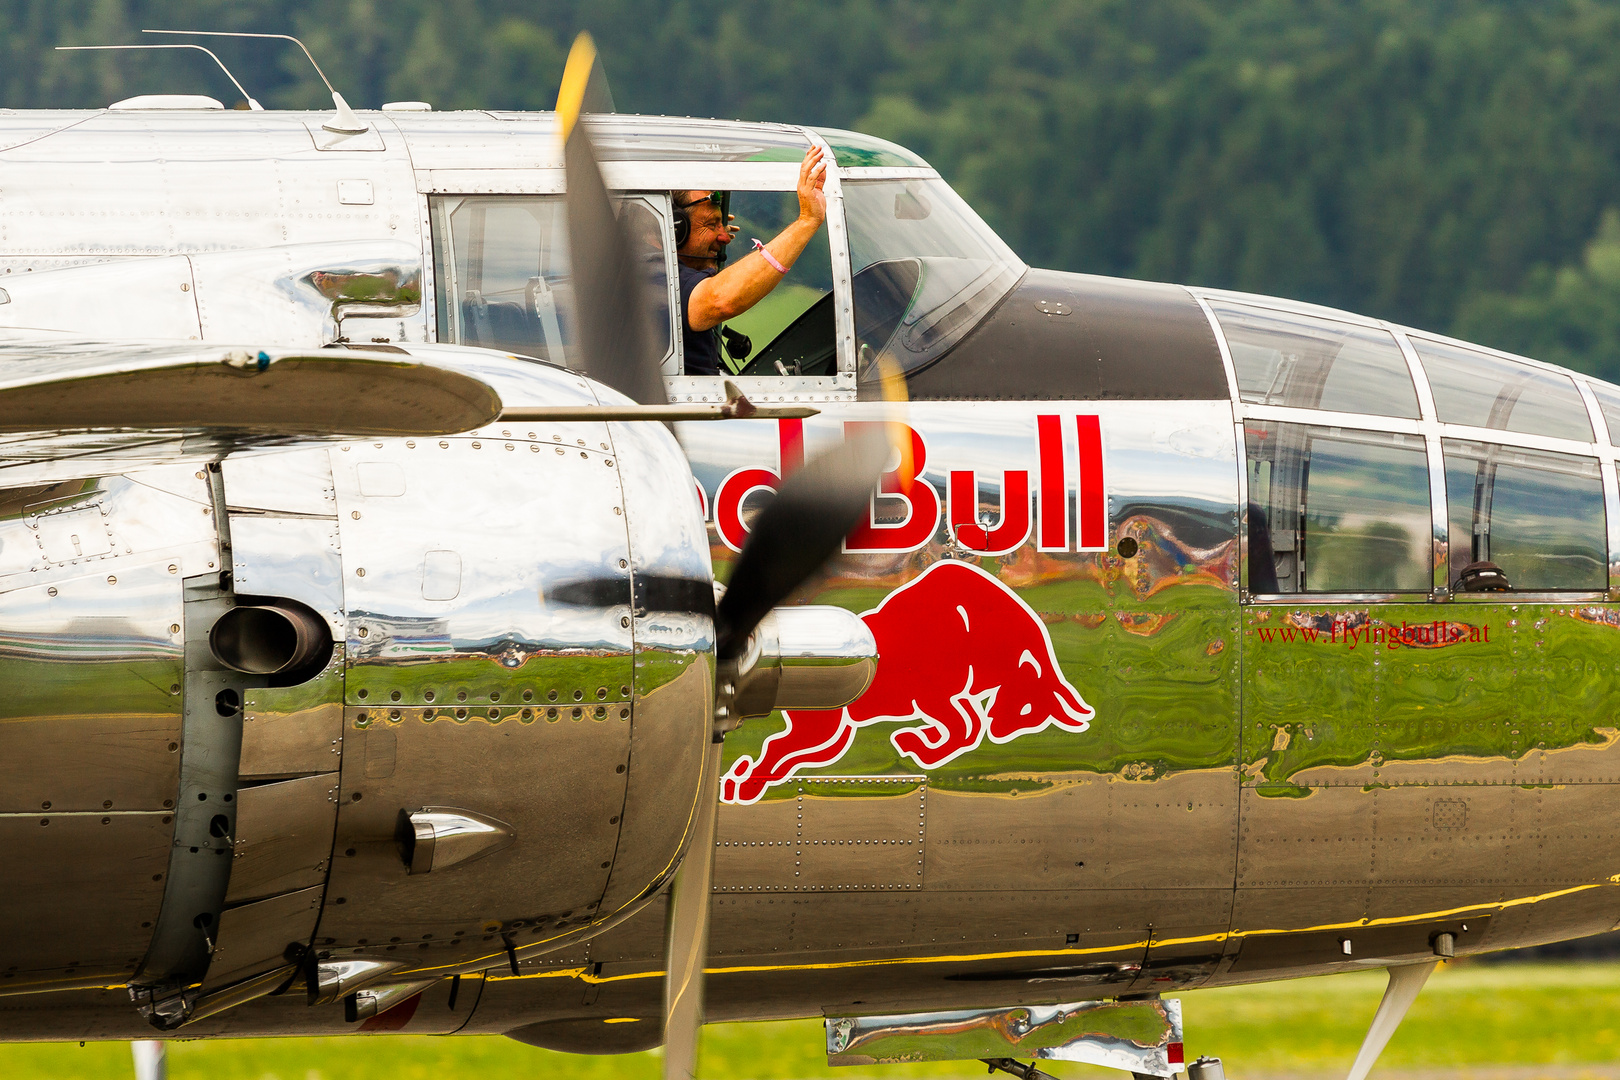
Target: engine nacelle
(484, 759)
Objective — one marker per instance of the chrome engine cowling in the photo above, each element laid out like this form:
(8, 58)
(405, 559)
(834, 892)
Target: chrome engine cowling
(230, 832)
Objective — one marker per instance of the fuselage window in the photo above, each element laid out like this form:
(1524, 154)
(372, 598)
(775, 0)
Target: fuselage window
(1538, 516)
(1608, 399)
(1482, 390)
(1337, 511)
(503, 275)
(790, 331)
(1283, 358)
(926, 268)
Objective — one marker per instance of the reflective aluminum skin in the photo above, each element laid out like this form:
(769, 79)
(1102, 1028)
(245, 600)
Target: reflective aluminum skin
(1142, 1037)
(1177, 680)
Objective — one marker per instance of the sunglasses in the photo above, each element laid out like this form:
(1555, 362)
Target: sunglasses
(717, 199)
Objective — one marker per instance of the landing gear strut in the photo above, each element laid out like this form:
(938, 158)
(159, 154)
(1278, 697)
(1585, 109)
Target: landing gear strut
(1404, 984)
(151, 1059)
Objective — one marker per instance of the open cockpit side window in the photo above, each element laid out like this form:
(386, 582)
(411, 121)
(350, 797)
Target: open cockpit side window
(503, 278)
(924, 270)
(791, 331)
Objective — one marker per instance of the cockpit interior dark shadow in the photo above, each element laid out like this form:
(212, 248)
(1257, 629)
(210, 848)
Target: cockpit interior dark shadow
(1262, 559)
(809, 345)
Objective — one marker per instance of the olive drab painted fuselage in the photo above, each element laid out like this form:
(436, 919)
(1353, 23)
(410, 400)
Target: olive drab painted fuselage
(1176, 686)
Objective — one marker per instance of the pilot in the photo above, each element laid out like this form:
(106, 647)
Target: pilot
(710, 295)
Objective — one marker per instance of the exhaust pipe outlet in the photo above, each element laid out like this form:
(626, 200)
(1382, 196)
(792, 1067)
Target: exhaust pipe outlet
(269, 639)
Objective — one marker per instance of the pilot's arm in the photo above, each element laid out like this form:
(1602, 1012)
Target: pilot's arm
(745, 282)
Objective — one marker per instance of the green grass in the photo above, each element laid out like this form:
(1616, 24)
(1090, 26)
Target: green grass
(1544, 1014)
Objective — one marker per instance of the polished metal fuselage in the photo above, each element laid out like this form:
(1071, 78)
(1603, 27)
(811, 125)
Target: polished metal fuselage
(1238, 805)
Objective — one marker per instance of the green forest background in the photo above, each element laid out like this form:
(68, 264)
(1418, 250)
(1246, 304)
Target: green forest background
(1451, 165)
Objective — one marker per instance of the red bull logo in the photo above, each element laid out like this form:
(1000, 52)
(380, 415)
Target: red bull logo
(961, 658)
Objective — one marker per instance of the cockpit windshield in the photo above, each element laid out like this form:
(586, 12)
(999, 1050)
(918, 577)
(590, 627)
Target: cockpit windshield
(926, 267)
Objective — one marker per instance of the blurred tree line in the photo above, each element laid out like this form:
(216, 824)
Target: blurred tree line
(1454, 164)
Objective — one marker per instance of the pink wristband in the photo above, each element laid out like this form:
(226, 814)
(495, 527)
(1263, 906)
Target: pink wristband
(765, 254)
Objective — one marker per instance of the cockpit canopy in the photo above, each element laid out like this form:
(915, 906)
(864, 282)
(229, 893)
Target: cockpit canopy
(1377, 457)
(923, 268)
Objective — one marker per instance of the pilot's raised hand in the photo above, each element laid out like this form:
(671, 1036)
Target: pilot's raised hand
(812, 187)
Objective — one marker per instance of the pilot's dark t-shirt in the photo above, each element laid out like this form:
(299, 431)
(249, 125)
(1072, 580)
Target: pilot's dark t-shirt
(702, 347)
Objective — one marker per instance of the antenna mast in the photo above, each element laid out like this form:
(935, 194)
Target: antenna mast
(343, 122)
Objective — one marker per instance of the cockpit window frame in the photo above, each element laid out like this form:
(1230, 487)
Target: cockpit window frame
(440, 241)
(765, 176)
(658, 179)
(1001, 273)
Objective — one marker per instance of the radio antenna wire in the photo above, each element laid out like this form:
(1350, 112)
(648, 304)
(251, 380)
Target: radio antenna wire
(251, 102)
(343, 122)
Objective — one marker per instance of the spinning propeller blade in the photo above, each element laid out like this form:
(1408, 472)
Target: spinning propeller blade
(792, 538)
(609, 284)
(801, 528)
(805, 525)
(798, 531)
(686, 930)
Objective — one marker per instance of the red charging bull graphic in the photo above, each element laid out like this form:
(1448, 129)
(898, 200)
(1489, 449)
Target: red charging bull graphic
(960, 658)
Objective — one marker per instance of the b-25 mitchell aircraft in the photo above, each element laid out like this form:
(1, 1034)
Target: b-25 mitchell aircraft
(363, 671)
